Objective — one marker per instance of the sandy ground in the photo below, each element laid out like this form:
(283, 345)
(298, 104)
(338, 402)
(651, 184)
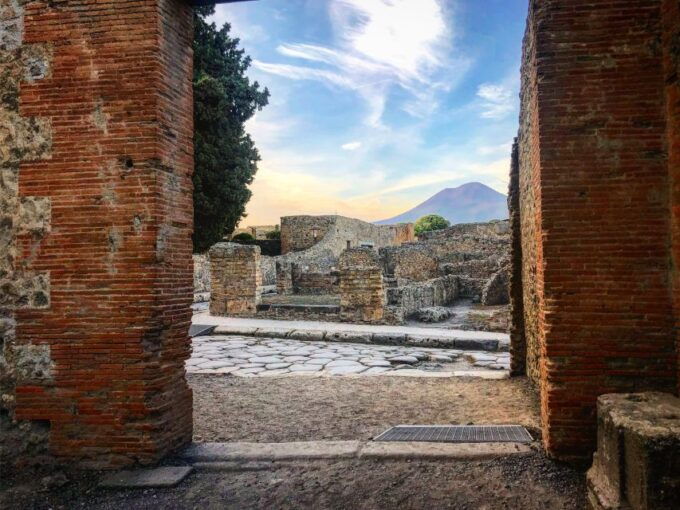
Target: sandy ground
(525, 483)
(301, 408)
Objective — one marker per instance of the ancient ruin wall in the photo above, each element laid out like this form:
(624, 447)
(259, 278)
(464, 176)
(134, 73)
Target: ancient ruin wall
(334, 232)
(594, 208)
(299, 233)
(96, 204)
(671, 56)
(529, 189)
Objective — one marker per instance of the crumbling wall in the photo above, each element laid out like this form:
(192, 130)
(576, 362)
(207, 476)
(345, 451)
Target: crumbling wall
(299, 233)
(594, 210)
(410, 262)
(95, 198)
(236, 279)
(362, 292)
(405, 300)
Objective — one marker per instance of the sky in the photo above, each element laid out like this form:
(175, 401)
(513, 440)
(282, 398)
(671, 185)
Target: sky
(378, 104)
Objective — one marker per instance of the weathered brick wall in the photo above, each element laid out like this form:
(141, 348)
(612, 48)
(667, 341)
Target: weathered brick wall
(98, 94)
(530, 202)
(235, 279)
(671, 56)
(594, 207)
(362, 293)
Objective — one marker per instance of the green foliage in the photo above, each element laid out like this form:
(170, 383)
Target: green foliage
(431, 222)
(243, 236)
(225, 155)
(274, 234)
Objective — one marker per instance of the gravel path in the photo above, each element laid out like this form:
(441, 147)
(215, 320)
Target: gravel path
(285, 409)
(247, 356)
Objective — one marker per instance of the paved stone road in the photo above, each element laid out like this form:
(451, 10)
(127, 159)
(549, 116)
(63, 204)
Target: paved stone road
(247, 356)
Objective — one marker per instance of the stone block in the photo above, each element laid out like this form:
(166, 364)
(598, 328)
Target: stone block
(235, 279)
(637, 463)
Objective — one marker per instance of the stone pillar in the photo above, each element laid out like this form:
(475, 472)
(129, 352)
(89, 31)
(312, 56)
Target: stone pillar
(96, 204)
(594, 210)
(235, 279)
(637, 462)
(362, 293)
(284, 278)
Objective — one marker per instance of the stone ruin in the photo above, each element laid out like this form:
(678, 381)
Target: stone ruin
(461, 262)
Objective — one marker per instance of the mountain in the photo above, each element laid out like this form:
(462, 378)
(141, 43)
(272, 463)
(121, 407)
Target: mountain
(470, 203)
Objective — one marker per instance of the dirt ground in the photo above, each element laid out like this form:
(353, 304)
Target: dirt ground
(301, 408)
(325, 408)
(525, 483)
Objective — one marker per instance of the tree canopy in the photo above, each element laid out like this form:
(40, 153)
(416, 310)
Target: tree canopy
(225, 155)
(431, 222)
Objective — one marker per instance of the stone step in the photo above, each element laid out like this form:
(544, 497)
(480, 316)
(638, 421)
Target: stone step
(228, 455)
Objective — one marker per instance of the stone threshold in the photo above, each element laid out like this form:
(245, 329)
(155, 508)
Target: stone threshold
(230, 455)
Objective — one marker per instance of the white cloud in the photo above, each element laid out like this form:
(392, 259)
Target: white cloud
(351, 146)
(498, 100)
(381, 44)
(494, 150)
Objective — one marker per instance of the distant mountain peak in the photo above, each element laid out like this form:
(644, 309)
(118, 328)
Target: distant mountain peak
(471, 202)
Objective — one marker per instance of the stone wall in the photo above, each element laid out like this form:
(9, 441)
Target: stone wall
(594, 208)
(405, 300)
(236, 280)
(306, 282)
(410, 262)
(362, 292)
(300, 233)
(96, 201)
(201, 278)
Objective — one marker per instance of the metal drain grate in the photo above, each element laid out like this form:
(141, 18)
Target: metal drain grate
(457, 434)
(200, 330)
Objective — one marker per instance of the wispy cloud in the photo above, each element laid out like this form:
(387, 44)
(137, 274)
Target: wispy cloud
(381, 44)
(498, 100)
(351, 146)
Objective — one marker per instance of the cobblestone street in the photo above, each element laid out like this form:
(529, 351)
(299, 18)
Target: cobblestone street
(247, 356)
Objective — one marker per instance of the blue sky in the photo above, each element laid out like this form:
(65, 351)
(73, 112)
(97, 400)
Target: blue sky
(378, 104)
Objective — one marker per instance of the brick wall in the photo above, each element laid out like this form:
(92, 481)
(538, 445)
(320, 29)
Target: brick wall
(105, 102)
(594, 207)
(235, 279)
(671, 45)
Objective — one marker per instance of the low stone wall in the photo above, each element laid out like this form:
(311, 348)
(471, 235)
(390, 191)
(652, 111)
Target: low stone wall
(315, 283)
(323, 313)
(236, 279)
(404, 301)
